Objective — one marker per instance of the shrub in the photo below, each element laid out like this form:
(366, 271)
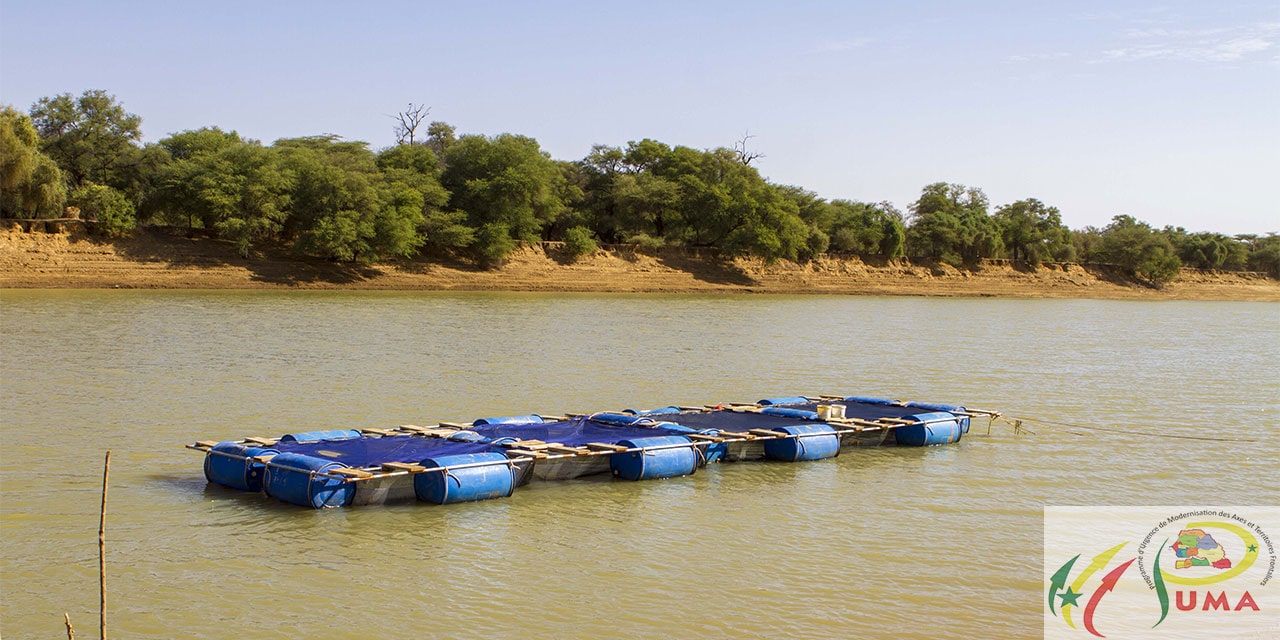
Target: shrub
(494, 243)
(578, 243)
(109, 208)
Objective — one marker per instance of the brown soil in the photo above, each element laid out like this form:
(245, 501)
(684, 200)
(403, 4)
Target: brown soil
(159, 260)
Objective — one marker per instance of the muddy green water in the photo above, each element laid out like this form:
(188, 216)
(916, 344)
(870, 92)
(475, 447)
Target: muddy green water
(905, 543)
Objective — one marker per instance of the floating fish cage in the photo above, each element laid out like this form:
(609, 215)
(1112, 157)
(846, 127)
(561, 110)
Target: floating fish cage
(491, 457)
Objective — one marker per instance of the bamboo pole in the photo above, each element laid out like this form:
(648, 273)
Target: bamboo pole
(71, 633)
(102, 555)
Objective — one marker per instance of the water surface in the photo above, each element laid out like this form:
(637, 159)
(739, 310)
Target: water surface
(906, 543)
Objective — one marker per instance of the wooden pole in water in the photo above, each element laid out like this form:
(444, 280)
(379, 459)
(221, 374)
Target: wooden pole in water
(102, 556)
(71, 633)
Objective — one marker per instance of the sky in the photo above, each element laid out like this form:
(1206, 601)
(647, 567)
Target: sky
(1166, 111)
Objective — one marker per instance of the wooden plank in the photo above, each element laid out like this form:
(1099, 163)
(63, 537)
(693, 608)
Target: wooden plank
(687, 408)
(350, 473)
(555, 418)
(455, 425)
(563, 449)
(704, 437)
(532, 445)
(737, 434)
(854, 422)
(600, 446)
(537, 455)
(765, 433)
(439, 433)
(379, 432)
(208, 444)
(402, 466)
(263, 441)
(896, 420)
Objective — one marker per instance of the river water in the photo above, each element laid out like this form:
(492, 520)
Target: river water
(942, 542)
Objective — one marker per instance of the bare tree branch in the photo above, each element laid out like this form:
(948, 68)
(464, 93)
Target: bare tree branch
(407, 122)
(740, 148)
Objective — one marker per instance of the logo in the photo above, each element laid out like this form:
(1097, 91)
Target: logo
(1160, 571)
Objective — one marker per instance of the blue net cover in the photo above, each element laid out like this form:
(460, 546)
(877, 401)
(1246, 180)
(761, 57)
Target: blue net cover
(574, 433)
(731, 421)
(368, 452)
(866, 411)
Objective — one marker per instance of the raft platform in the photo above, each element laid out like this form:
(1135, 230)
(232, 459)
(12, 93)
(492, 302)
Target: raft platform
(489, 458)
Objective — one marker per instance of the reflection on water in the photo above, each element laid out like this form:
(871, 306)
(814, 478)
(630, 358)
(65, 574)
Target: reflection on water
(915, 543)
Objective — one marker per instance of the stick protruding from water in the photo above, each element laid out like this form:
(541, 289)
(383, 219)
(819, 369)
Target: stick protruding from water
(102, 556)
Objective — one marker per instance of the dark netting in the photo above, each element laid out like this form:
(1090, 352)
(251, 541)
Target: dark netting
(733, 421)
(867, 411)
(863, 410)
(572, 433)
(369, 452)
(366, 452)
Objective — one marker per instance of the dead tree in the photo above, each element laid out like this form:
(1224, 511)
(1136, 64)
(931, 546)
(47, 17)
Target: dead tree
(407, 122)
(740, 148)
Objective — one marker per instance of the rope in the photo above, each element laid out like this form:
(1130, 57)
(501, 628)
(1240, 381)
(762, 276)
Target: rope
(1018, 429)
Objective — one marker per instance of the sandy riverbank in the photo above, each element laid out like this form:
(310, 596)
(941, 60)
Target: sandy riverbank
(157, 260)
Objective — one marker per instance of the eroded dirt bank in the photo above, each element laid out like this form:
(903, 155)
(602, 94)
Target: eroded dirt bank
(160, 260)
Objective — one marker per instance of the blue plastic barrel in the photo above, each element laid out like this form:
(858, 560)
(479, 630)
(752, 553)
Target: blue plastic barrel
(529, 419)
(650, 412)
(800, 414)
(949, 408)
(811, 442)
(317, 436)
(714, 451)
(291, 477)
(869, 400)
(618, 418)
(787, 400)
(945, 431)
(496, 479)
(233, 465)
(654, 463)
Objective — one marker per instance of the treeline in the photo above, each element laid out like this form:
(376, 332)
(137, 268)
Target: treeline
(481, 196)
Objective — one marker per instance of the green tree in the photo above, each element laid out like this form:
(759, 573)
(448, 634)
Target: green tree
(724, 203)
(341, 207)
(91, 138)
(1139, 251)
(215, 180)
(31, 184)
(865, 228)
(494, 244)
(1204, 250)
(440, 136)
(1033, 231)
(950, 223)
(416, 167)
(99, 203)
(1264, 253)
(508, 182)
(578, 243)
(624, 197)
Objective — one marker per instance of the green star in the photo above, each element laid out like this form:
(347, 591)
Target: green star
(1069, 597)
(1252, 548)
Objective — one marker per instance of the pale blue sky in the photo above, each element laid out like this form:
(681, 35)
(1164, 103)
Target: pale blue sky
(1168, 111)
